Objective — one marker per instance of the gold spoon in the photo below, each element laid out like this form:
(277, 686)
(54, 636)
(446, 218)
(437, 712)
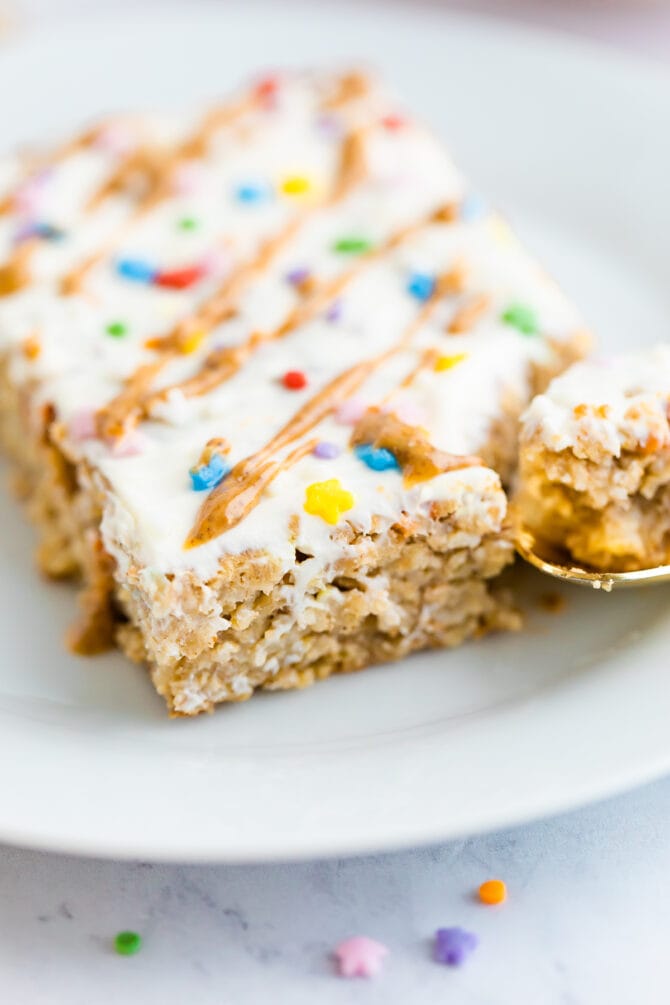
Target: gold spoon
(556, 562)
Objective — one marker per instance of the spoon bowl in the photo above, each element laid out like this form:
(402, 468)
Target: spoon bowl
(556, 562)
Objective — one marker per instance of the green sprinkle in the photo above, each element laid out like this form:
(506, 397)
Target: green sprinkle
(128, 943)
(522, 317)
(352, 245)
(117, 329)
(188, 223)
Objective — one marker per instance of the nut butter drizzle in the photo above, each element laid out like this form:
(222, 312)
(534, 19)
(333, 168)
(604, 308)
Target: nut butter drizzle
(129, 407)
(240, 492)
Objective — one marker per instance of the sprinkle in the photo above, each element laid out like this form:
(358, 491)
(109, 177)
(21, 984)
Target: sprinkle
(493, 891)
(192, 342)
(208, 476)
(522, 317)
(82, 425)
(294, 380)
(328, 500)
(352, 245)
(393, 122)
(188, 178)
(266, 88)
(453, 945)
(128, 943)
(351, 411)
(296, 277)
(326, 451)
(252, 192)
(329, 124)
(334, 312)
(45, 231)
(472, 208)
(449, 362)
(180, 279)
(421, 285)
(130, 445)
(409, 412)
(501, 231)
(376, 458)
(114, 138)
(188, 223)
(296, 185)
(360, 956)
(136, 269)
(31, 347)
(117, 329)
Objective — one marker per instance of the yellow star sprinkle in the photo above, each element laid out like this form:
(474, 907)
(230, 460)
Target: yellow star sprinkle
(447, 362)
(328, 500)
(191, 342)
(296, 185)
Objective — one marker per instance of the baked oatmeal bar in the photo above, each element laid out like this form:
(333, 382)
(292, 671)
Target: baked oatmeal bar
(595, 462)
(262, 371)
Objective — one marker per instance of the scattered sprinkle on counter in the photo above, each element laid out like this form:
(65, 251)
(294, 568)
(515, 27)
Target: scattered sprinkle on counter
(294, 380)
(453, 946)
(352, 245)
(421, 285)
(328, 500)
(208, 476)
(296, 185)
(326, 451)
(136, 269)
(127, 943)
(449, 362)
(360, 956)
(522, 317)
(117, 329)
(493, 891)
(376, 458)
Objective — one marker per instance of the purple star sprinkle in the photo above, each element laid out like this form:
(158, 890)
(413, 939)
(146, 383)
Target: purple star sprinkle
(334, 312)
(297, 276)
(454, 945)
(326, 451)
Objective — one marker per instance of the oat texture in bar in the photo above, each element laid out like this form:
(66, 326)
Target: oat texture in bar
(595, 462)
(262, 371)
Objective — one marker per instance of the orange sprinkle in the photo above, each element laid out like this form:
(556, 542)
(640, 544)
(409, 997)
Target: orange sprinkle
(31, 347)
(493, 891)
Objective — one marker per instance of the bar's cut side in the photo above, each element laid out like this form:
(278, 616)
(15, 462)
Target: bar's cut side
(262, 373)
(595, 462)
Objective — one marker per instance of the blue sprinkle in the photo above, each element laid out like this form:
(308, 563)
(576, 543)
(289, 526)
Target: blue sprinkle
(46, 231)
(376, 458)
(421, 286)
(208, 476)
(252, 192)
(473, 207)
(136, 269)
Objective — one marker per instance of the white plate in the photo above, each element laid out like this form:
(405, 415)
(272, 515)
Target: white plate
(573, 143)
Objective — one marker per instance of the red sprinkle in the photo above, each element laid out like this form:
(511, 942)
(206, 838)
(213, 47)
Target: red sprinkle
(266, 88)
(393, 122)
(294, 380)
(180, 279)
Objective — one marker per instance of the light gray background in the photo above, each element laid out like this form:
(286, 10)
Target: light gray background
(588, 918)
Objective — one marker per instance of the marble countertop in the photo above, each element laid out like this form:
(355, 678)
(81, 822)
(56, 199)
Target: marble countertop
(588, 912)
(586, 922)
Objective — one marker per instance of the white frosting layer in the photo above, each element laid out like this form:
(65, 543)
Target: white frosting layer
(606, 405)
(151, 505)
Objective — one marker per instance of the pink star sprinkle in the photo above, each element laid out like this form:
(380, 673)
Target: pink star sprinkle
(82, 425)
(351, 411)
(360, 956)
(130, 445)
(409, 412)
(188, 177)
(115, 139)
